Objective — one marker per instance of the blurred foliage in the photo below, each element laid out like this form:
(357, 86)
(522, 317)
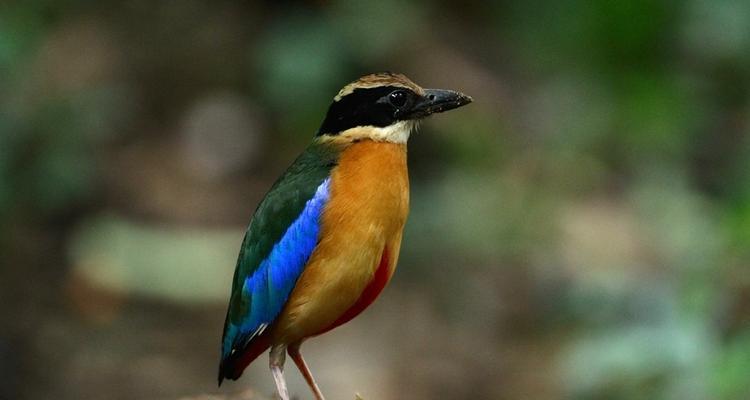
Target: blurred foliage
(585, 223)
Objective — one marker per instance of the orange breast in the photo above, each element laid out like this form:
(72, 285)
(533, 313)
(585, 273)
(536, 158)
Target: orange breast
(361, 230)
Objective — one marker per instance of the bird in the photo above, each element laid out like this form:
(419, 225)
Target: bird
(325, 240)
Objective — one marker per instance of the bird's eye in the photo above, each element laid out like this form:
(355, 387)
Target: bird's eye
(397, 98)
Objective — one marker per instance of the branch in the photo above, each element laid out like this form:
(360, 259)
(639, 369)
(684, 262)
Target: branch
(246, 395)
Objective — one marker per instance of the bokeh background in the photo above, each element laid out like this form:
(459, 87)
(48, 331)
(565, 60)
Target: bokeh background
(582, 231)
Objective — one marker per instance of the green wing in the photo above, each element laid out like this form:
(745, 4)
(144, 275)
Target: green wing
(281, 207)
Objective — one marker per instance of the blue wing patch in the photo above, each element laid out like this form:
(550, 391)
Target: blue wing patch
(269, 287)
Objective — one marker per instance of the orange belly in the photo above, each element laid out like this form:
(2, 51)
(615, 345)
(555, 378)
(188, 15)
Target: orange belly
(371, 292)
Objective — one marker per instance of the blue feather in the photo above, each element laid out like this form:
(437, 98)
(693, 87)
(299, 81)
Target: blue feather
(269, 287)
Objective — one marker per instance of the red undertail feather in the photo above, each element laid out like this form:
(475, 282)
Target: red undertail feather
(371, 292)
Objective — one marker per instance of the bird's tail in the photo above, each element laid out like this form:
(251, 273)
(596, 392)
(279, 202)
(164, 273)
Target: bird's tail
(232, 366)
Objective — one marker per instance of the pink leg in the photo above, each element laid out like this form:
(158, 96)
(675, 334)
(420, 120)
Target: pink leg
(277, 358)
(302, 366)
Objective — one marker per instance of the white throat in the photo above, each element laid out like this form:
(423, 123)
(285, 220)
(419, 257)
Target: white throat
(394, 133)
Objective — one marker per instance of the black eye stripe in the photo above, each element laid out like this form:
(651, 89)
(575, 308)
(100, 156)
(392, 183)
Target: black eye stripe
(362, 107)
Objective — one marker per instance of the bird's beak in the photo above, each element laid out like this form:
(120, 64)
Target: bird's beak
(438, 100)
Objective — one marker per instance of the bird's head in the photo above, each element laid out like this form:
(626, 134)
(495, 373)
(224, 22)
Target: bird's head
(384, 107)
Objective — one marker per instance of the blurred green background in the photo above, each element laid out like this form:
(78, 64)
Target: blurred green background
(582, 231)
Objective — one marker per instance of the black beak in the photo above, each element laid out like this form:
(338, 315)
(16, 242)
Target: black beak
(438, 100)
